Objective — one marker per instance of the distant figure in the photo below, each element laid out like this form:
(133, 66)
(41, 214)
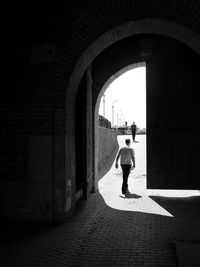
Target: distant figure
(127, 158)
(126, 127)
(133, 130)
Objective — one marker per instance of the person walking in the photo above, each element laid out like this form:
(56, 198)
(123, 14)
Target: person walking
(127, 160)
(133, 130)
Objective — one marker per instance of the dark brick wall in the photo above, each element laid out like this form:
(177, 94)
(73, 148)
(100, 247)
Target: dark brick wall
(26, 114)
(79, 29)
(26, 110)
(33, 100)
(84, 135)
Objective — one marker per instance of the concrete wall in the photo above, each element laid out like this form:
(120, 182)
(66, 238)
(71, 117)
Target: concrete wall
(108, 147)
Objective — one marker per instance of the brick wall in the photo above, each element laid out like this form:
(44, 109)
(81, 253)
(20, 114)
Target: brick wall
(38, 101)
(27, 121)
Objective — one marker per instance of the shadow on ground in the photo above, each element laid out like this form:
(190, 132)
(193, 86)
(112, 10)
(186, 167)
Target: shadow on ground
(17, 229)
(185, 208)
(186, 212)
(129, 195)
(115, 234)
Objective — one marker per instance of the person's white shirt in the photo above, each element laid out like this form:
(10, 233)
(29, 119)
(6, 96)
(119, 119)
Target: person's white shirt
(126, 155)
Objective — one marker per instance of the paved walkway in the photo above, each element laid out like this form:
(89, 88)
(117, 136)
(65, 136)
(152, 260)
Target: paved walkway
(110, 230)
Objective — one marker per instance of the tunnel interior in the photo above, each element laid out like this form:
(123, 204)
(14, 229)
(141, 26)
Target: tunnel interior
(42, 144)
(56, 61)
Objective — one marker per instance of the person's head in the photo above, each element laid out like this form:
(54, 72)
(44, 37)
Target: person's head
(128, 142)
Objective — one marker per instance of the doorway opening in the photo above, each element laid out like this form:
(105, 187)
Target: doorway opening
(121, 102)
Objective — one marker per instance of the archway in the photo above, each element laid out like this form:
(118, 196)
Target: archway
(137, 28)
(132, 28)
(96, 129)
(125, 55)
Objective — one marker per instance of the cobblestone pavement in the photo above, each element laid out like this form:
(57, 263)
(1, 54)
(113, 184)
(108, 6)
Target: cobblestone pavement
(111, 230)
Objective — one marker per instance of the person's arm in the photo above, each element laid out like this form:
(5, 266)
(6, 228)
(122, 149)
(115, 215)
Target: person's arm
(133, 158)
(117, 158)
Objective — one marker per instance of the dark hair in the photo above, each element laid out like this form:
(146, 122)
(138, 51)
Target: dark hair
(128, 141)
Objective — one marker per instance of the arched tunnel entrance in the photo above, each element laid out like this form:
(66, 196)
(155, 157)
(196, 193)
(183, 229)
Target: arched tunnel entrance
(172, 110)
(96, 112)
(63, 57)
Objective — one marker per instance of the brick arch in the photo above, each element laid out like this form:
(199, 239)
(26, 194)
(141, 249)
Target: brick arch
(143, 26)
(82, 23)
(85, 29)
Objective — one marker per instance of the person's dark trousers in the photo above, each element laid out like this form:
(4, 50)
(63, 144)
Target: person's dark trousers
(126, 170)
(133, 136)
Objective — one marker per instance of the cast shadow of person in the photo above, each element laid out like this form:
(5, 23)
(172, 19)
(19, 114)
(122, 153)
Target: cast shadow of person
(129, 195)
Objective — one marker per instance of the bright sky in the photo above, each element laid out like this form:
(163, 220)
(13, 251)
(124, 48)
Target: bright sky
(130, 92)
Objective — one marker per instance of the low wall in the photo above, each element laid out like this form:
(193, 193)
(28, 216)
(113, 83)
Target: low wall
(107, 149)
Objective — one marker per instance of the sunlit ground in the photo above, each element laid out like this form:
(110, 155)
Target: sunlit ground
(139, 199)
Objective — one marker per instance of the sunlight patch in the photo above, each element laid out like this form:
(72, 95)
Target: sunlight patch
(173, 193)
(135, 202)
